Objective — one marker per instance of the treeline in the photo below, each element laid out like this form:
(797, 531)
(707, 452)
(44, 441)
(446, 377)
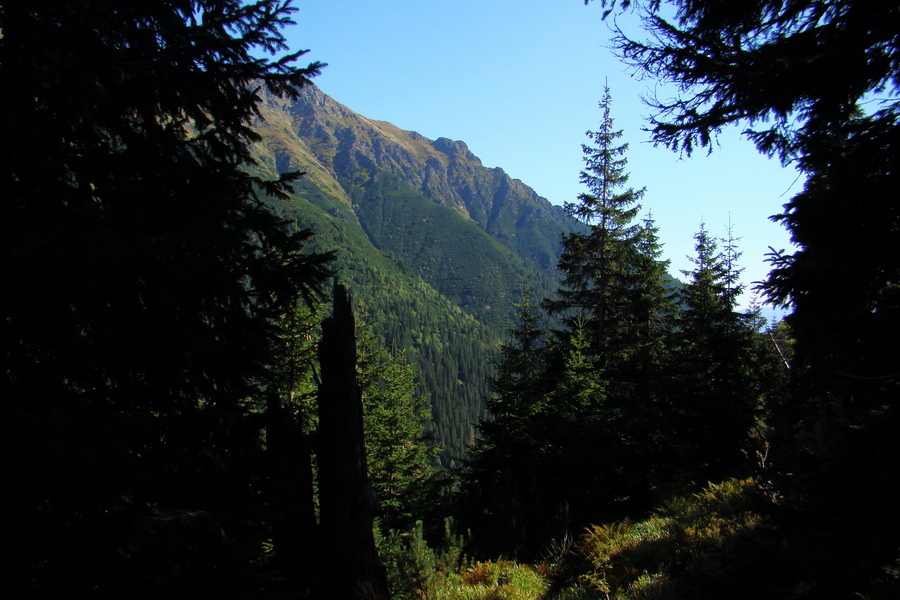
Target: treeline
(620, 417)
(644, 391)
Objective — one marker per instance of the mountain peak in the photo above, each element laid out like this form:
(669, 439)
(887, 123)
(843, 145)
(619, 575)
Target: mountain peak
(454, 149)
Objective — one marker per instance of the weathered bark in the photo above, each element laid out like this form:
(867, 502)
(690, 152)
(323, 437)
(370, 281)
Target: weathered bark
(351, 568)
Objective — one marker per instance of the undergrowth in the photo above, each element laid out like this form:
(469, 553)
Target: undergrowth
(689, 548)
(694, 547)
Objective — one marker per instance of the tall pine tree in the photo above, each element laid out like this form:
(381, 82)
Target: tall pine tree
(614, 280)
(573, 435)
(596, 266)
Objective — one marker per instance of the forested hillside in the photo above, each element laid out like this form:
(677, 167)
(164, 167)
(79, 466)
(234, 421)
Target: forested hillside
(435, 247)
(471, 232)
(450, 349)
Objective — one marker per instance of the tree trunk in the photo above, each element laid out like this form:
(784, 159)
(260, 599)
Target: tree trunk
(291, 494)
(351, 568)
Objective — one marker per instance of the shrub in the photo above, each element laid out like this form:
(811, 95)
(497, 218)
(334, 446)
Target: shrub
(414, 569)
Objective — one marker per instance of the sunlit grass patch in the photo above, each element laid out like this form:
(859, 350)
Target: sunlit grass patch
(688, 539)
(501, 580)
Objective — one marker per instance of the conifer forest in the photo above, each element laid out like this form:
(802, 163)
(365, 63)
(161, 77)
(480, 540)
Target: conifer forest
(257, 346)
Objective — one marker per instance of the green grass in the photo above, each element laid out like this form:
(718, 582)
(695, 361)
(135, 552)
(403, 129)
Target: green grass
(501, 580)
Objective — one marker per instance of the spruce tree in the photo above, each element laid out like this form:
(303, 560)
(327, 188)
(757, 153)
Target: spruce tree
(572, 433)
(713, 387)
(614, 279)
(501, 477)
(612, 275)
(400, 453)
(596, 266)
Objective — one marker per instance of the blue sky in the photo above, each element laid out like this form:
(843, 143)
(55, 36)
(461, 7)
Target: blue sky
(519, 82)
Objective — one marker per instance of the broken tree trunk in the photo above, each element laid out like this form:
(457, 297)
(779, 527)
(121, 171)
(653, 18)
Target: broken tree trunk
(350, 567)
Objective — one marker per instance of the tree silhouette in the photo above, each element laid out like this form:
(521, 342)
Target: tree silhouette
(146, 275)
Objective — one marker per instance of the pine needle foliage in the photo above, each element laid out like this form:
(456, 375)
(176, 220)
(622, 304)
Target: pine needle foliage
(594, 264)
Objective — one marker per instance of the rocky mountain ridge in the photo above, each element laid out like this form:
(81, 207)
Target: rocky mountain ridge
(338, 144)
